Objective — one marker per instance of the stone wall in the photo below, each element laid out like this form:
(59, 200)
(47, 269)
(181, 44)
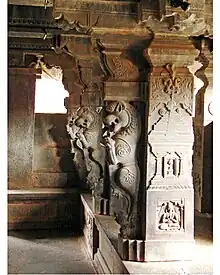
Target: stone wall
(53, 165)
(21, 97)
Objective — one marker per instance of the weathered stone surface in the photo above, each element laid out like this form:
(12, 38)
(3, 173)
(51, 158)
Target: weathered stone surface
(21, 126)
(43, 208)
(135, 54)
(53, 164)
(169, 199)
(102, 13)
(122, 124)
(85, 129)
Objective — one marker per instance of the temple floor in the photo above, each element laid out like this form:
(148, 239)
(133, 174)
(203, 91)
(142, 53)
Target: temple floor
(49, 252)
(202, 262)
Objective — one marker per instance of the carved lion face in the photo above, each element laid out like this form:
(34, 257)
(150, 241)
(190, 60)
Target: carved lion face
(84, 120)
(112, 122)
(118, 117)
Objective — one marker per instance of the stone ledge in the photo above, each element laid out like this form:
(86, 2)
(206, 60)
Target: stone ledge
(44, 208)
(39, 193)
(106, 258)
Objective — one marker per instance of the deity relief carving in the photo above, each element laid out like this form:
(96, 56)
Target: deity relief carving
(171, 165)
(170, 216)
(121, 135)
(85, 130)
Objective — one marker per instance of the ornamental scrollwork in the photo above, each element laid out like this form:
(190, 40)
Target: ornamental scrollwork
(121, 135)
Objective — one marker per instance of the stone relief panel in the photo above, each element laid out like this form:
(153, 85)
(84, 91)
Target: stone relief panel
(170, 134)
(121, 135)
(171, 165)
(170, 216)
(88, 231)
(85, 130)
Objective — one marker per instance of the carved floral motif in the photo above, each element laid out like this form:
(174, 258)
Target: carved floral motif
(170, 124)
(116, 67)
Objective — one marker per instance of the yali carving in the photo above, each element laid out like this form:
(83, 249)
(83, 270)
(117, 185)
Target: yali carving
(85, 130)
(121, 134)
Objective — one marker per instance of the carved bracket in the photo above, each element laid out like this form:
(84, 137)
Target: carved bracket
(192, 26)
(115, 66)
(121, 136)
(63, 24)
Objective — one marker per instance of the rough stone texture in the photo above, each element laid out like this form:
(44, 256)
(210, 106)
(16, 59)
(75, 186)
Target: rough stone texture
(99, 14)
(47, 252)
(44, 208)
(104, 50)
(207, 202)
(102, 248)
(203, 116)
(53, 164)
(21, 100)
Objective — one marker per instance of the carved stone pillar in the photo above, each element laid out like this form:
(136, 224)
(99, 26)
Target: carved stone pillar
(203, 105)
(170, 194)
(85, 128)
(124, 90)
(21, 98)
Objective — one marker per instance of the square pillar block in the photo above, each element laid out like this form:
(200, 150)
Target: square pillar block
(169, 195)
(169, 226)
(169, 220)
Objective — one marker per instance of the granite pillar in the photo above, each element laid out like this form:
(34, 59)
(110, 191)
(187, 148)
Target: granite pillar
(169, 187)
(169, 202)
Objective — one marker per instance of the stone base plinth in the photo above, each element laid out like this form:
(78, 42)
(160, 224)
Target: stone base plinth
(155, 251)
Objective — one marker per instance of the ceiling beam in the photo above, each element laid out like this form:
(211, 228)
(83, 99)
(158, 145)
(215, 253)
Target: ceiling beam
(38, 3)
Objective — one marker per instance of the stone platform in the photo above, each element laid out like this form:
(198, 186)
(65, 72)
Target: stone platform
(41, 208)
(101, 238)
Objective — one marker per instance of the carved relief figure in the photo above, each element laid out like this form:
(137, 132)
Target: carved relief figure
(170, 216)
(121, 135)
(86, 132)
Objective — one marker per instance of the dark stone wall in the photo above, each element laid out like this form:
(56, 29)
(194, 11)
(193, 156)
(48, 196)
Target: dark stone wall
(53, 162)
(39, 160)
(207, 199)
(21, 90)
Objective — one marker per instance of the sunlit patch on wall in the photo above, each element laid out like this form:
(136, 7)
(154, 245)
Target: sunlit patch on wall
(49, 96)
